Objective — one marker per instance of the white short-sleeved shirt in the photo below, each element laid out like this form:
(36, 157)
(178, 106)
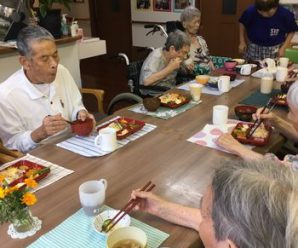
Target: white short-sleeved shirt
(23, 107)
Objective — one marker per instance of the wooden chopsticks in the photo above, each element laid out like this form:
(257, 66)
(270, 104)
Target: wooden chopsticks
(127, 208)
(270, 105)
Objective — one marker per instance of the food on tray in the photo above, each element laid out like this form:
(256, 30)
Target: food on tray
(281, 99)
(124, 126)
(21, 170)
(242, 130)
(172, 98)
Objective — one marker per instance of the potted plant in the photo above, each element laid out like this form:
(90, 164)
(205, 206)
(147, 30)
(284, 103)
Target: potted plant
(49, 17)
(46, 5)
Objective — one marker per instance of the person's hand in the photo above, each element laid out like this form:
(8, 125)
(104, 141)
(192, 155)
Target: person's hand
(53, 124)
(84, 114)
(149, 202)
(242, 47)
(264, 116)
(228, 142)
(190, 67)
(174, 64)
(211, 65)
(281, 52)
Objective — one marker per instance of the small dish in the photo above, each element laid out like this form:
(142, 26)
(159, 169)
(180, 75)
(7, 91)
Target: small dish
(109, 214)
(239, 61)
(174, 100)
(245, 112)
(82, 128)
(230, 65)
(202, 79)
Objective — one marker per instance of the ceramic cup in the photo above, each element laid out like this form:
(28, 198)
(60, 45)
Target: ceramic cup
(281, 74)
(283, 62)
(266, 85)
(92, 196)
(220, 114)
(224, 84)
(245, 70)
(195, 91)
(106, 139)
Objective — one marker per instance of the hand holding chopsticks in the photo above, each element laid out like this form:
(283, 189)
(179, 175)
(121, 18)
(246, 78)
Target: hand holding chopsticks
(127, 208)
(270, 105)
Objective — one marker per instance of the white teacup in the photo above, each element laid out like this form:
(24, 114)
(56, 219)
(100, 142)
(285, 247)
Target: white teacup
(281, 74)
(92, 196)
(266, 84)
(224, 84)
(195, 91)
(283, 62)
(220, 114)
(245, 69)
(106, 139)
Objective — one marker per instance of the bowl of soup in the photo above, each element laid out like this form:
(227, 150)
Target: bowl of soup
(127, 237)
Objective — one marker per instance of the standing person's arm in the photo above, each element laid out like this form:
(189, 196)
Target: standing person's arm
(242, 42)
(286, 44)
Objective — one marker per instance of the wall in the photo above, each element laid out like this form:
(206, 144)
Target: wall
(140, 18)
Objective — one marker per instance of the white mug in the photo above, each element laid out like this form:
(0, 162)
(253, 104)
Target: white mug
(106, 139)
(220, 114)
(92, 196)
(224, 83)
(281, 74)
(266, 84)
(195, 91)
(283, 62)
(245, 70)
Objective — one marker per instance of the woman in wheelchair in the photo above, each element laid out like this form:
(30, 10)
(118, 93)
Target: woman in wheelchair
(161, 66)
(199, 53)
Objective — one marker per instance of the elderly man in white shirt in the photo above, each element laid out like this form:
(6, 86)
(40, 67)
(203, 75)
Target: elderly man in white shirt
(36, 101)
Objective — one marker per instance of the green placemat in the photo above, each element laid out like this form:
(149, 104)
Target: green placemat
(77, 232)
(162, 112)
(258, 99)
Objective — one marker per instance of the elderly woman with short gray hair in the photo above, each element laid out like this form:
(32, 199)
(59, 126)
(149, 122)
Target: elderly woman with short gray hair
(161, 66)
(288, 127)
(249, 204)
(199, 52)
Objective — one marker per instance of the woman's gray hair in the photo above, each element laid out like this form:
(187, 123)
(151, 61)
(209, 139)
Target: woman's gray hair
(292, 95)
(189, 13)
(29, 34)
(255, 204)
(178, 39)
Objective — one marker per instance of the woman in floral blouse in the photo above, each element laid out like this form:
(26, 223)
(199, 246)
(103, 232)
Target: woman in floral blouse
(199, 52)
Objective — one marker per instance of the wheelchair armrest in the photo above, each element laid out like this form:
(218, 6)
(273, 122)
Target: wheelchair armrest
(98, 94)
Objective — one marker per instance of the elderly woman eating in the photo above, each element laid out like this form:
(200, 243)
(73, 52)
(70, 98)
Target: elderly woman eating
(199, 53)
(248, 204)
(288, 128)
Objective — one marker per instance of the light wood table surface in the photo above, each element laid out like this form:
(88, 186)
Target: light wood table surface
(181, 170)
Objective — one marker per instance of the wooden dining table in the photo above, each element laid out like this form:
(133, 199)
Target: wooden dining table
(180, 169)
